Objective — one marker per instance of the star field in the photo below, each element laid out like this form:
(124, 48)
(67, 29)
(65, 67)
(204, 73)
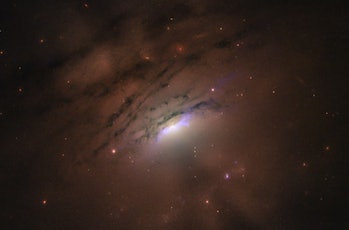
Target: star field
(173, 115)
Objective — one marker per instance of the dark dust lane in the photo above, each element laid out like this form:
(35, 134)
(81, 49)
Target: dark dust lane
(173, 115)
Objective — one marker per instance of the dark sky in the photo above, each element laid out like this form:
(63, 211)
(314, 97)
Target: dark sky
(173, 115)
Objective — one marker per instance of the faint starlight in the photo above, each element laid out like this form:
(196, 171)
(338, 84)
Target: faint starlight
(226, 176)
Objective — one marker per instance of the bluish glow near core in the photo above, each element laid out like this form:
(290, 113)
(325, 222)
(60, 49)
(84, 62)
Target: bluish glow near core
(172, 128)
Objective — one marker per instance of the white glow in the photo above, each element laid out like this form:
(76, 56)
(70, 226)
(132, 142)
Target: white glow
(171, 128)
(174, 128)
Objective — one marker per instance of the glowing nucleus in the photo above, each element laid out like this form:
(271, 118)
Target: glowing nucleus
(175, 126)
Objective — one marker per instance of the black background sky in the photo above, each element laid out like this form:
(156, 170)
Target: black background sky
(173, 115)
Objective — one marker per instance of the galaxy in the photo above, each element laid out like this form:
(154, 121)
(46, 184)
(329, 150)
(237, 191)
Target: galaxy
(173, 114)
